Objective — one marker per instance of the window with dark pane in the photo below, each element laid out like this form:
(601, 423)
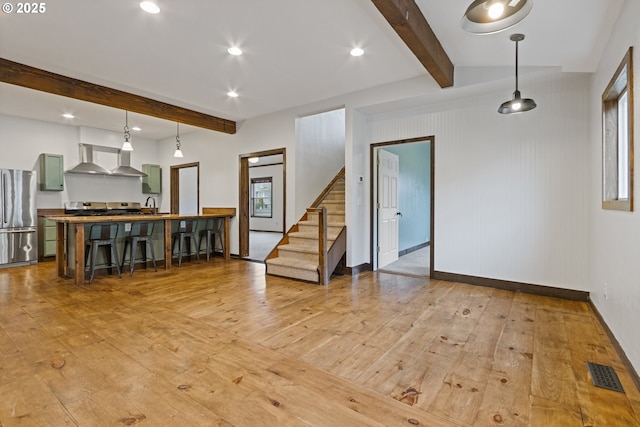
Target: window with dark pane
(261, 197)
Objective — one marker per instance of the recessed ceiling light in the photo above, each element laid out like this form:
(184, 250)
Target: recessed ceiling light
(150, 7)
(68, 116)
(136, 128)
(232, 94)
(235, 51)
(356, 51)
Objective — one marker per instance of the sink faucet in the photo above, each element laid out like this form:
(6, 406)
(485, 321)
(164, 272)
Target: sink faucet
(154, 210)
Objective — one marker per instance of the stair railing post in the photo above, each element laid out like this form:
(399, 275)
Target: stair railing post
(322, 246)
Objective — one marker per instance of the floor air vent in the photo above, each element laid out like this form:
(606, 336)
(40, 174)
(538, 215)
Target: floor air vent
(604, 376)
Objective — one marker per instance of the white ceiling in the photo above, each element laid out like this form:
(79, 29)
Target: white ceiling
(296, 52)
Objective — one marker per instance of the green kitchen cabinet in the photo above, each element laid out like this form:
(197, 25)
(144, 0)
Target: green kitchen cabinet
(51, 172)
(46, 238)
(152, 183)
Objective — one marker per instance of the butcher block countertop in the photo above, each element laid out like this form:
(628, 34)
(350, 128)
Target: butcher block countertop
(91, 219)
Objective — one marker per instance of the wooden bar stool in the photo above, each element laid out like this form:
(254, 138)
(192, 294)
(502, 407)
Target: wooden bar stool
(102, 235)
(212, 229)
(186, 232)
(141, 233)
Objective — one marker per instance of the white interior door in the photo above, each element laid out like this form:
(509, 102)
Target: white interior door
(388, 164)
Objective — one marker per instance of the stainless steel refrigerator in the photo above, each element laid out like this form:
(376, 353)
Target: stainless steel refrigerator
(18, 228)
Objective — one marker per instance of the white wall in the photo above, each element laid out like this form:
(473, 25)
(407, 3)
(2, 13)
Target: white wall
(511, 192)
(320, 143)
(188, 187)
(23, 140)
(615, 238)
(277, 198)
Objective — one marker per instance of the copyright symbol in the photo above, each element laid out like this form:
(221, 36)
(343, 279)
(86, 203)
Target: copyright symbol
(7, 8)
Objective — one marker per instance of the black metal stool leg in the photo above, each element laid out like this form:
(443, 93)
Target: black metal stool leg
(153, 255)
(124, 253)
(134, 249)
(94, 258)
(114, 249)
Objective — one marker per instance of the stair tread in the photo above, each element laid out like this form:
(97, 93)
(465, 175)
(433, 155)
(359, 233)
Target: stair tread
(311, 235)
(293, 263)
(330, 214)
(315, 222)
(299, 248)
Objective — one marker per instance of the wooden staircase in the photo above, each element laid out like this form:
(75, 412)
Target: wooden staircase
(312, 249)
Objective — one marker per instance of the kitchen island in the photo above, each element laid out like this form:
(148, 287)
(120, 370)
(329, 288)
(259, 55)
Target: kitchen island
(70, 256)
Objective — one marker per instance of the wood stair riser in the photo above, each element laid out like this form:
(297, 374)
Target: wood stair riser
(335, 196)
(331, 217)
(333, 205)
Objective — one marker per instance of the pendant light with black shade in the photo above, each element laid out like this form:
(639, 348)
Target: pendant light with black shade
(491, 16)
(517, 104)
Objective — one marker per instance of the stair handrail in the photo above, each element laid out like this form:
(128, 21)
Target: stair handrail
(323, 273)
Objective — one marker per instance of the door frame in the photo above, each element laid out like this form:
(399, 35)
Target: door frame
(174, 185)
(244, 196)
(374, 197)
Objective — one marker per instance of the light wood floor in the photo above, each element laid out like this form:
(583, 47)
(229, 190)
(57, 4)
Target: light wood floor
(220, 344)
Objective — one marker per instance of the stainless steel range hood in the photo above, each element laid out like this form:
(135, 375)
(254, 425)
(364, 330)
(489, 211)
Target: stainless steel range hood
(124, 165)
(86, 164)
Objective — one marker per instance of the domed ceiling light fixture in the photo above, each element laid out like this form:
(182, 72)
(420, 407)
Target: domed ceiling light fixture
(517, 104)
(178, 152)
(491, 16)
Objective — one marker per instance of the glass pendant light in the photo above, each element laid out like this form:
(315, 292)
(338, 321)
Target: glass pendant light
(178, 152)
(126, 145)
(491, 16)
(517, 104)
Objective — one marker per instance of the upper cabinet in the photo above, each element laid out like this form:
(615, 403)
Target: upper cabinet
(152, 183)
(51, 172)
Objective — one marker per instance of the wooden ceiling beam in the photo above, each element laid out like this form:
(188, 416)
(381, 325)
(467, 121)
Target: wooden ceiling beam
(45, 81)
(407, 20)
